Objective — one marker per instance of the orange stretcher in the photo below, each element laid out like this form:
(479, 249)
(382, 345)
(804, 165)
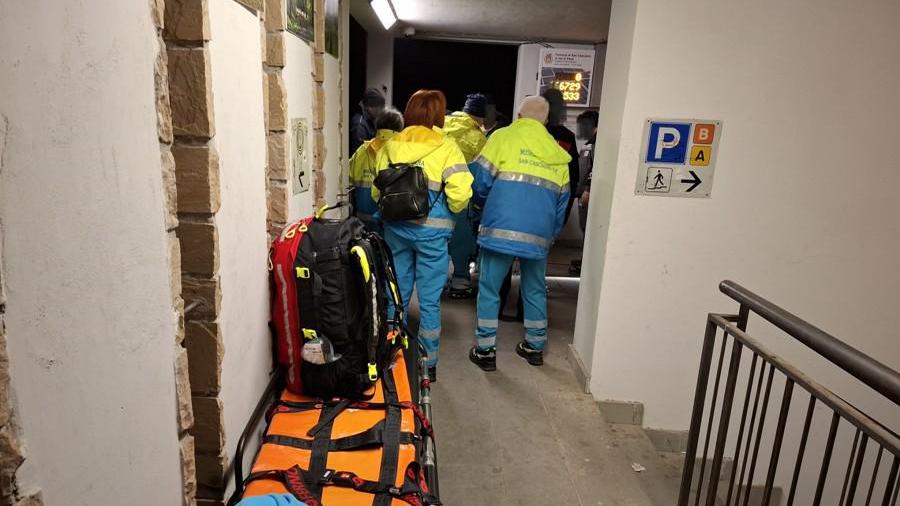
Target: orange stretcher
(377, 452)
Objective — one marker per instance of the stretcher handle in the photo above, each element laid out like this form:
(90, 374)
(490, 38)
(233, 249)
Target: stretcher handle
(268, 396)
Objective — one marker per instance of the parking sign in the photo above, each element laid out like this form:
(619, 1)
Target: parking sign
(678, 158)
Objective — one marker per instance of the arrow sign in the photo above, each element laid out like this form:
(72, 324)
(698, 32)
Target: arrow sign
(695, 182)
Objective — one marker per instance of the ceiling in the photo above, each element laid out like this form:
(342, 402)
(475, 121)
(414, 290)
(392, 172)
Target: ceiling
(515, 20)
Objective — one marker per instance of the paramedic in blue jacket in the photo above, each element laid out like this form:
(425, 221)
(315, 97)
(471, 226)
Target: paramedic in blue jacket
(522, 181)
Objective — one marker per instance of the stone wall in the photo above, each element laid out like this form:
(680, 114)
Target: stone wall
(278, 164)
(168, 155)
(196, 178)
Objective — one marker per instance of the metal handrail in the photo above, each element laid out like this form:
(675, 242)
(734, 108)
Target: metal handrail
(873, 373)
(878, 433)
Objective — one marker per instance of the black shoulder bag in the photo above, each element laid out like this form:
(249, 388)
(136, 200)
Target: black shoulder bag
(404, 192)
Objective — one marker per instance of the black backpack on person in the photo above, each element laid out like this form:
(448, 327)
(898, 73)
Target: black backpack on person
(404, 192)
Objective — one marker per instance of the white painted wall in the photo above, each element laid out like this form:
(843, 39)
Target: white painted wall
(804, 209)
(241, 143)
(617, 62)
(298, 80)
(89, 314)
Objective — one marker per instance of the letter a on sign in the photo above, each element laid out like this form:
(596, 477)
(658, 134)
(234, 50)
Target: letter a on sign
(668, 142)
(700, 155)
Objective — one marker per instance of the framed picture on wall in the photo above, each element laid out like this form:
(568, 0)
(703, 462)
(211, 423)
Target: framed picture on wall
(333, 27)
(301, 18)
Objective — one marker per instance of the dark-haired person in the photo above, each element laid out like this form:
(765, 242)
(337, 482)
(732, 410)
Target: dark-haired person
(362, 125)
(420, 246)
(362, 166)
(587, 130)
(465, 128)
(563, 136)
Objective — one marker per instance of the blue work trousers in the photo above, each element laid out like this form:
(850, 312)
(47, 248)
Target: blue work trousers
(533, 288)
(422, 264)
(462, 245)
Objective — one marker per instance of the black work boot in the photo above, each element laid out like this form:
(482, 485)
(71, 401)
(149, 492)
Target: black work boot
(486, 360)
(533, 356)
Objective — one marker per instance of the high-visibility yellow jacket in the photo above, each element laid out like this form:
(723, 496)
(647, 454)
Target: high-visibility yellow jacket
(449, 179)
(460, 127)
(522, 180)
(362, 173)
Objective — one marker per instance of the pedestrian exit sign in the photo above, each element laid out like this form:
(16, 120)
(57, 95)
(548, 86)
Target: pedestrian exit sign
(678, 158)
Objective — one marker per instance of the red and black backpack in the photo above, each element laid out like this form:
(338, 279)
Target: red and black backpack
(331, 278)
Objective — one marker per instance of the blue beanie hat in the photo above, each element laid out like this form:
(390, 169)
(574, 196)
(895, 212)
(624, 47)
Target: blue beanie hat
(476, 105)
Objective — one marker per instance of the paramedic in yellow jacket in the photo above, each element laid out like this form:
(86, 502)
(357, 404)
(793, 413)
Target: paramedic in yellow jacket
(522, 180)
(362, 166)
(420, 247)
(465, 127)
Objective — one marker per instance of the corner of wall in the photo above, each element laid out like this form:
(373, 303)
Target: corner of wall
(12, 454)
(613, 96)
(168, 150)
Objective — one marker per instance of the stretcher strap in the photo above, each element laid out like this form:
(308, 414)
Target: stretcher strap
(372, 437)
(329, 419)
(414, 490)
(319, 455)
(300, 407)
(293, 479)
(390, 454)
(300, 483)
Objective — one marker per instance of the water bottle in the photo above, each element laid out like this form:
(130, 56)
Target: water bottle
(319, 350)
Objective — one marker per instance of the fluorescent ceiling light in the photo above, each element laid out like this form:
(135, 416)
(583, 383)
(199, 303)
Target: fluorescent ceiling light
(385, 13)
(406, 10)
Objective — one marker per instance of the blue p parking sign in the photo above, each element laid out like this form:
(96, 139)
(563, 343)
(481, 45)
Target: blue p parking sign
(678, 157)
(668, 142)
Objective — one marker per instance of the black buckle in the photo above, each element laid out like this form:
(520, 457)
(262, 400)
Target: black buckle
(327, 477)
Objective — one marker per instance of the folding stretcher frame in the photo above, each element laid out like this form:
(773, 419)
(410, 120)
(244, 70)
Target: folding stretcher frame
(378, 452)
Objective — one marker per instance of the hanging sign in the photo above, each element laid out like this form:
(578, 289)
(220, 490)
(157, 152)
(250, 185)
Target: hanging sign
(571, 71)
(678, 157)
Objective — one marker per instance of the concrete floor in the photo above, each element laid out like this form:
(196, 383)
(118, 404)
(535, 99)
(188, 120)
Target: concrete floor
(526, 435)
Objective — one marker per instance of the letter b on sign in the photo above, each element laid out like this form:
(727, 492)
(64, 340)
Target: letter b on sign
(668, 142)
(704, 133)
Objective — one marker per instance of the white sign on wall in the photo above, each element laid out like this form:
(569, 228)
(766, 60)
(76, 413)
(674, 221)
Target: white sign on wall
(299, 155)
(678, 158)
(569, 70)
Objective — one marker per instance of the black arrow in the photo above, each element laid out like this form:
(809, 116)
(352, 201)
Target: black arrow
(695, 182)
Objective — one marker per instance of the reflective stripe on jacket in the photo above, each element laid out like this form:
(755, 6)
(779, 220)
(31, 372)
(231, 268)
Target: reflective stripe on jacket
(460, 127)
(522, 180)
(362, 173)
(449, 179)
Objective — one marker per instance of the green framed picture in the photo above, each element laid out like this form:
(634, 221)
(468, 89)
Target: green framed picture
(333, 27)
(301, 19)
